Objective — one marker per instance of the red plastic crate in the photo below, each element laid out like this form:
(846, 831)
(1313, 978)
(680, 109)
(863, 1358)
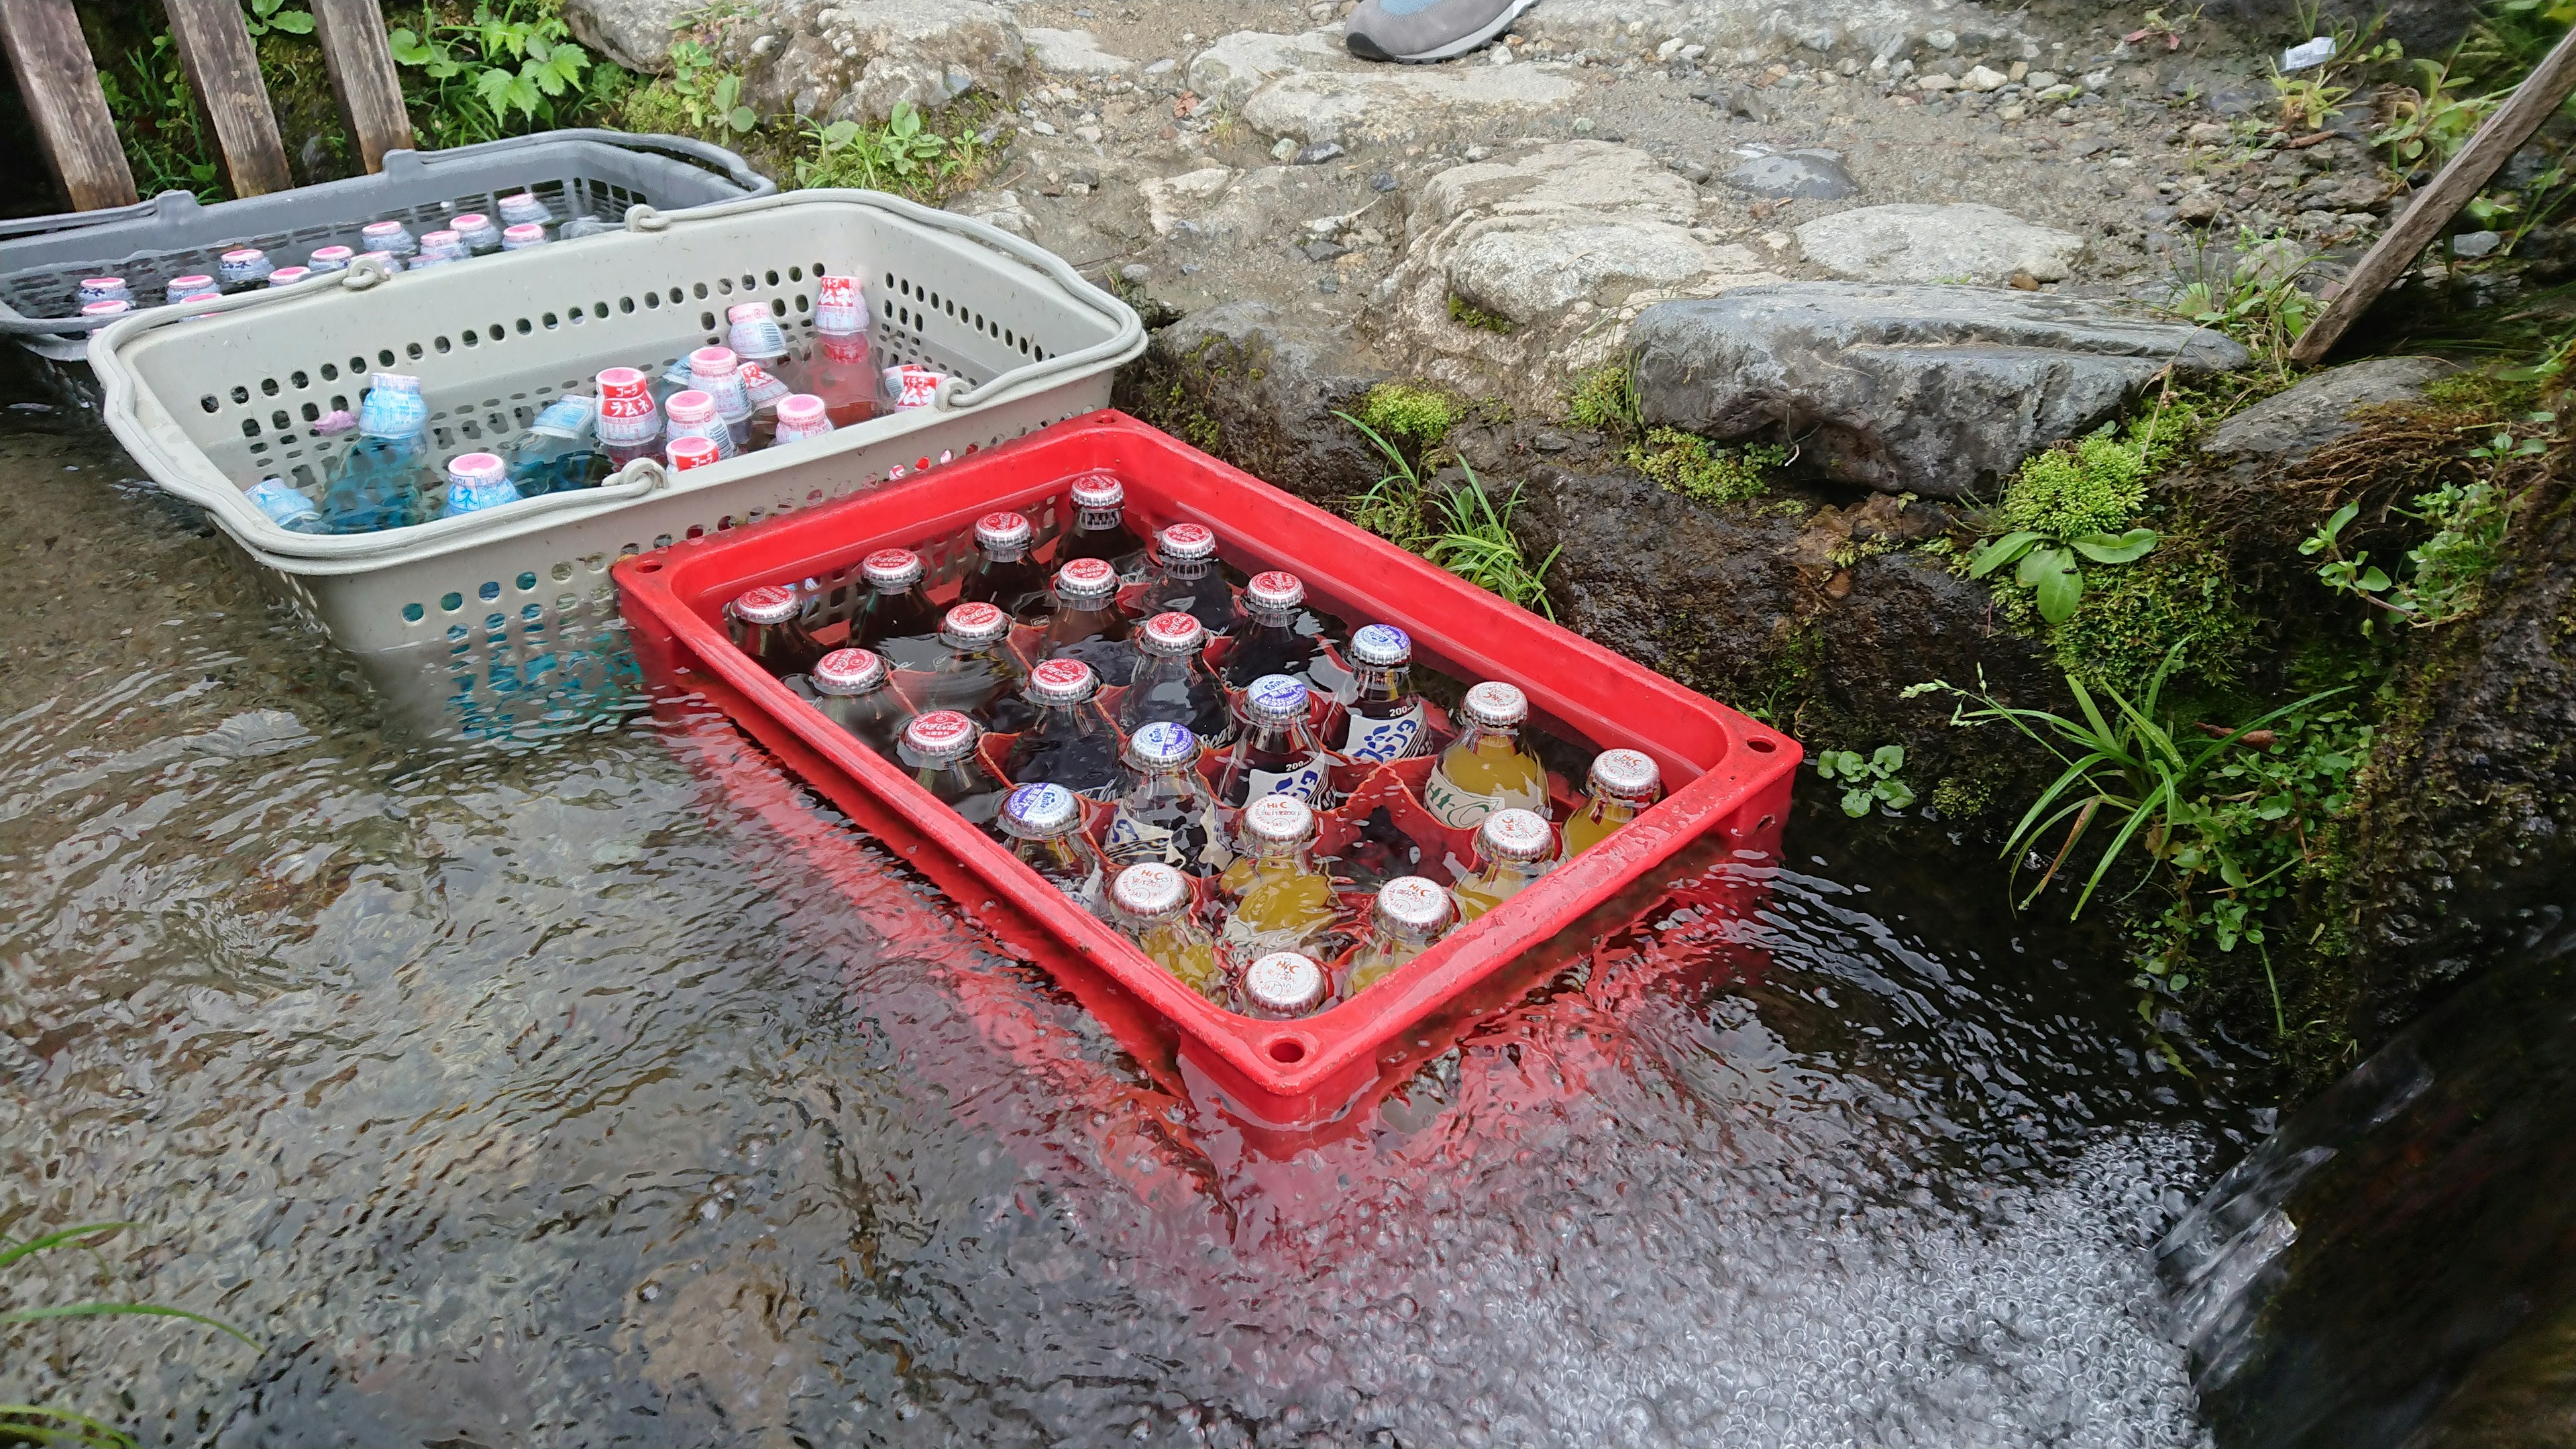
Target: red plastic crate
(1724, 773)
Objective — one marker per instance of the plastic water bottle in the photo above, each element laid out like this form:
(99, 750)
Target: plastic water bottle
(331, 259)
(910, 385)
(756, 338)
(523, 237)
(693, 415)
(477, 481)
(286, 506)
(103, 289)
(558, 454)
(191, 285)
(630, 426)
(800, 415)
(476, 230)
(243, 268)
(389, 236)
(380, 482)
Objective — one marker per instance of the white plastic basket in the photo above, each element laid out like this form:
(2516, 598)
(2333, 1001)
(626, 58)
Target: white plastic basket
(505, 620)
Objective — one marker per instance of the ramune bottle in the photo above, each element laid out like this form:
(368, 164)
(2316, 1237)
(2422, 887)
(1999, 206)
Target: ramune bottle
(1005, 574)
(1274, 752)
(1172, 682)
(243, 269)
(286, 506)
(938, 748)
(391, 237)
(1514, 847)
(1043, 825)
(331, 259)
(975, 673)
(1163, 812)
(1489, 767)
(102, 289)
(477, 481)
(477, 231)
(716, 372)
(526, 236)
(1277, 899)
(1622, 784)
(896, 619)
(753, 333)
(853, 690)
(795, 417)
(841, 370)
(693, 414)
(1267, 638)
(1383, 719)
(1071, 742)
(558, 453)
(629, 425)
(1100, 525)
(1283, 986)
(1186, 578)
(381, 481)
(1151, 901)
(1087, 623)
(1411, 914)
(768, 624)
(526, 209)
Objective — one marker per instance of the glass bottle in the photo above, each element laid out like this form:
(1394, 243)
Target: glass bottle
(1516, 847)
(190, 287)
(630, 423)
(1151, 902)
(841, 370)
(1004, 573)
(330, 259)
(939, 749)
(526, 236)
(897, 619)
(975, 673)
(1100, 525)
(691, 451)
(1266, 637)
(437, 249)
(1274, 752)
(717, 372)
(1488, 767)
(1186, 578)
(1277, 899)
(1043, 826)
(854, 690)
(1071, 742)
(1283, 986)
(753, 333)
(1163, 811)
(1172, 682)
(1383, 718)
(1411, 914)
(558, 453)
(1621, 785)
(381, 481)
(768, 625)
(524, 208)
(476, 481)
(1087, 623)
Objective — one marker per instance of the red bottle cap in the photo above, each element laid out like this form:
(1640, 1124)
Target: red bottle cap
(891, 570)
(1062, 681)
(848, 672)
(940, 737)
(1099, 489)
(1087, 581)
(974, 626)
(1172, 635)
(1002, 530)
(1275, 590)
(1188, 542)
(767, 604)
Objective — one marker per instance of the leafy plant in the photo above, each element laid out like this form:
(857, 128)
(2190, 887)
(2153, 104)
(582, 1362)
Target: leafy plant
(1468, 314)
(902, 155)
(2248, 293)
(1867, 780)
(46, 1424)
(268, 15)
(709, 96)
(157, 120)
(467, 79)
(2060, 510)
(2470, 522)
(2308, 102)
(1476, 543)
(1392, 506)
(1605, 399)
(1693, 467)
(2428, 123)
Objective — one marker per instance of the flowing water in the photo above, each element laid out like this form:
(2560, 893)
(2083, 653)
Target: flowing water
(554, 1096)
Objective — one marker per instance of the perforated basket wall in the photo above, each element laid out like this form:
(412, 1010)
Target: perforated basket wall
(504, 618)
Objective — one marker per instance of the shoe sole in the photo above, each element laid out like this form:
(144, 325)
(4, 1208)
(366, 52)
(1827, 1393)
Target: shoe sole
(1453, 49)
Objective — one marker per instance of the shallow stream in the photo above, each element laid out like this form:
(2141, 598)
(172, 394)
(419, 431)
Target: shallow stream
(550, 1097)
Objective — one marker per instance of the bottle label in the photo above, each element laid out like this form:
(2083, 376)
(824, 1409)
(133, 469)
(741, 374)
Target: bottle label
(568, 417)
(1463, 810)
(760, 387)
(392, 412)
(1132, 840)
(285, 506)
(1304, 781)
(469, 495)
(1382, 740)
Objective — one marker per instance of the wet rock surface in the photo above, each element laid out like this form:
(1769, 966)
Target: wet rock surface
(1812, 175)
(2289, 425)
(1960, 243)
(1938, 391)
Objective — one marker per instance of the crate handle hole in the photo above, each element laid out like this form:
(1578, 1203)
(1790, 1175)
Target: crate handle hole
(649, 566)
(1760, 746)
(1287, 1050)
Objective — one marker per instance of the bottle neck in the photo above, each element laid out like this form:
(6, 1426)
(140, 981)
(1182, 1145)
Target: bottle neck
(1281, 862)
(1490, 740)
(1375, 684)
(1059, 852)
(1098, 520)
(1611, 810)
(995, 556)
(1281, 737)
(1508, 872)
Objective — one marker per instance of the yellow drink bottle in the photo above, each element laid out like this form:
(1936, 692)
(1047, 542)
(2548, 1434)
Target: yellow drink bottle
(1486, 768)
(1622, 784)
(1152, 903)
(1279, 900)
(1516, 847)
(1410, 915)
(1283, 985)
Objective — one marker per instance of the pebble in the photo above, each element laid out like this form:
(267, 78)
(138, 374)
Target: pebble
(1042, 128)
(1318, 153)
(1161, 67)
(1283, 148)
(2475, 243)
(2199, 208)
(1135, 271)
(1382, 181)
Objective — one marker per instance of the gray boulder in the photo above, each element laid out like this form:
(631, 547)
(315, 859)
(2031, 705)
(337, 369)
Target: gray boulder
(634, 33)
(1936, 391)
(1805, 175)
(2288, 426)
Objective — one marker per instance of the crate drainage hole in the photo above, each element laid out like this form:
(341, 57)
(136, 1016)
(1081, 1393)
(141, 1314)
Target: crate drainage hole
(1760, 746)
(1287, 1050)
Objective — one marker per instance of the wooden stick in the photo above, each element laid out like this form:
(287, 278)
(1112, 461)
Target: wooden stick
(60, 84)
(223, 69)
(361, 64)
(2539, 95)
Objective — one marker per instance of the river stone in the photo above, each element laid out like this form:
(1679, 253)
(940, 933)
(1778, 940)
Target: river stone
(634, 33)
(1936, 391)
(1808, 175)
(1073, 53)
(841, 60)
(1234, 66)
(1389, 103)
(1958, 242)
(2288, 426)
(1563, 245)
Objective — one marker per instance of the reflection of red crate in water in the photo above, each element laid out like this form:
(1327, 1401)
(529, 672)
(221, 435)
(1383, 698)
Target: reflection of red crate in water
(1728, 776)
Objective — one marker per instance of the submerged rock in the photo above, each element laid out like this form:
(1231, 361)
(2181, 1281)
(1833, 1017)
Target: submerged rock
(1911, 242)
(2290, 425)
(1938, 391)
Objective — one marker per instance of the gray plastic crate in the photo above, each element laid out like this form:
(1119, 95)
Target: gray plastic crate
(504, 621)
(596, 174)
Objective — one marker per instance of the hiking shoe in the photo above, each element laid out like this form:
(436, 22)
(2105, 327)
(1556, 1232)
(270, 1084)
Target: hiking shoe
(1420, 30)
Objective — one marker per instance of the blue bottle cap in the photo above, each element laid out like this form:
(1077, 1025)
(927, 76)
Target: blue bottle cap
(1162, 743)
(1275, 699)
(1381, 646)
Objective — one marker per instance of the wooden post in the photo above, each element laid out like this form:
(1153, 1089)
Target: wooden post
(60, 84)
(214, 46)
(361, 64)
(2540, 94)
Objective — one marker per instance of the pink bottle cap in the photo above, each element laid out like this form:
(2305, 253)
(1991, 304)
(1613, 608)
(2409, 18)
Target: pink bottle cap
(193, 282)
(470, 221)
(690, 452)
(239, 255)
(691, 406)
(713, 361)
(288, 276)
(440, 240)
(110, 309)
(476, 468)
(330, 256)
(525, 234)
(804, 414)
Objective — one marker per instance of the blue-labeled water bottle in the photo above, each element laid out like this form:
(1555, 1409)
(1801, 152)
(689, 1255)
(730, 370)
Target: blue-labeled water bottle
(560, 452)
(383, 480)
(476, 481)
(286, 506)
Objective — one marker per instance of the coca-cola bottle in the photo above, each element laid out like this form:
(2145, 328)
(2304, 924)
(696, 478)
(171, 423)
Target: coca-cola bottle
(768, 624)
(1087, 623)
(938, 748)
(853, 690)
(1100, 525)
(1005, 574)
(1187, 580)
(1271, 636)
(976, 673)
(897, 619)
(1172, 682)
(1071, 742)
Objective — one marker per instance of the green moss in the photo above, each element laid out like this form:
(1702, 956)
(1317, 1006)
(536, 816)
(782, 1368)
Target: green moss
(1406, 413)
(1466, 314)
(1605, 399)
(2096, 486)
(1695, 468)
(1961, 797)
(2134, 614)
